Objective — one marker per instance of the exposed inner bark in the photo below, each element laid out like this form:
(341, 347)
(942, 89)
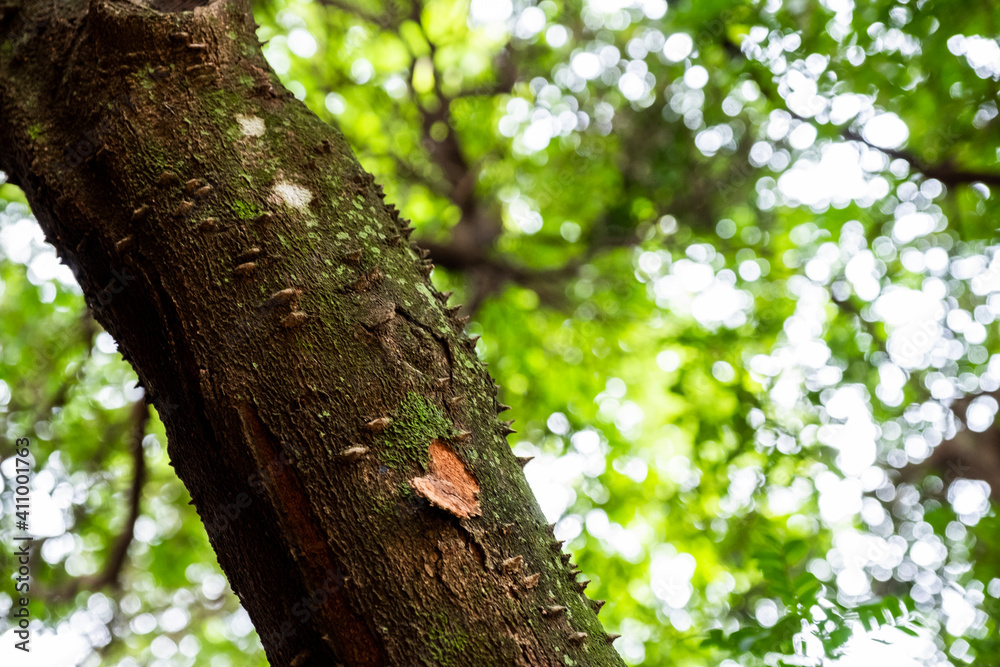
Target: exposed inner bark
(448, 484)
(289, 337)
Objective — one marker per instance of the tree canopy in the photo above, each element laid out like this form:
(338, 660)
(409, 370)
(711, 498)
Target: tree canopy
(736, 272)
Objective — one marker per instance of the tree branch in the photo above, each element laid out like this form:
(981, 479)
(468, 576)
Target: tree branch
(389, 20)
(966, 455)
(494, 271)
(478, 228)
(110, 575)
(942, 172)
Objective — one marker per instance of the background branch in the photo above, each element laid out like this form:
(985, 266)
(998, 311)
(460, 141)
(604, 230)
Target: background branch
(110, 574)
(943, 171)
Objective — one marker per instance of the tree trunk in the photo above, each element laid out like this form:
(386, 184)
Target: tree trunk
(334, 426)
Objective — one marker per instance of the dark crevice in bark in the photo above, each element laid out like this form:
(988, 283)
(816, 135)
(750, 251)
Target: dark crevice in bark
(353, 642)
(441, 340)
(173, 6)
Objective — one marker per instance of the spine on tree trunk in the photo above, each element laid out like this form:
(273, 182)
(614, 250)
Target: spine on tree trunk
(336, 430)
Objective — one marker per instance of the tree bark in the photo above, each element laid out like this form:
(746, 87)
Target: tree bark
(335, 428)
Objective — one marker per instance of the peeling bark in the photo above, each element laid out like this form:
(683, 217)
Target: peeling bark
(287, 333)
(448, 484)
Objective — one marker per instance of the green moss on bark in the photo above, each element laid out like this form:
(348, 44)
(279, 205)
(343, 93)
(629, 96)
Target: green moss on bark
(417, 422)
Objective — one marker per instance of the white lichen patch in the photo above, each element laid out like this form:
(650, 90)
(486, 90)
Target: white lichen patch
(251, 126)
(291, 194)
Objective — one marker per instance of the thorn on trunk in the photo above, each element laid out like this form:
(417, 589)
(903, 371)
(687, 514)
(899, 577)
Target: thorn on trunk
(578, 637)
(184, 208)
(245, 269)
(441, 383)
(583, 585)
(207, 224)
(462, 436)
(554, 610)
(566, 558)
(513, 564)
(612, 637)
(352, 454)
(453, 310)
(506, 429)
(524, 460)
(407, 231)
(197, 46)
(248, 254)
(462, 321)
(502, 408)
(379, 424)
(365, 282)
(140, 213)
(168, 178)
(597, 605)
(295, 319)
(123, 244)
(456, 400)
(531, 581)
(281, 297)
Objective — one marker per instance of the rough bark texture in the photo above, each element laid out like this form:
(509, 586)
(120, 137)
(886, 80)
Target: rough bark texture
(335, 428)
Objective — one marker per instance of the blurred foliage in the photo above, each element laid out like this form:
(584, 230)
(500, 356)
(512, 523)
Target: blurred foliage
(736, 266)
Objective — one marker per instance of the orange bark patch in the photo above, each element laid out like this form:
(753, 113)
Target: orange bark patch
(448, 484)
